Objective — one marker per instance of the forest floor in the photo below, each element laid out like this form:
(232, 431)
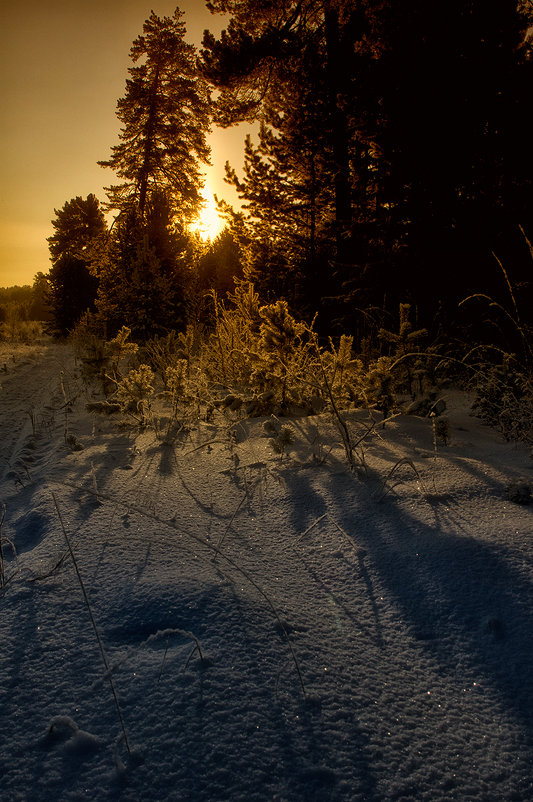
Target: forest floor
(276, 628)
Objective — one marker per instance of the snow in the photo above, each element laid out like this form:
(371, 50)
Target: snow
(274, 627)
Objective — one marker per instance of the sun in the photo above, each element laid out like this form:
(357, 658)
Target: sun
(209, 223)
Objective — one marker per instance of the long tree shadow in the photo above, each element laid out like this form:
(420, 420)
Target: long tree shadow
(455, 589)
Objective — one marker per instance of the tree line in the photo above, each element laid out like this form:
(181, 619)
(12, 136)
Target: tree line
(392, 165)
(25, 303)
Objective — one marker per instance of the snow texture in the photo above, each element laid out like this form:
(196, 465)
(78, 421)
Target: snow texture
(274, 627)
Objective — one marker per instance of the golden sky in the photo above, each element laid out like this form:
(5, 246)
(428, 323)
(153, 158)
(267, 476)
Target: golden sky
(63, 66)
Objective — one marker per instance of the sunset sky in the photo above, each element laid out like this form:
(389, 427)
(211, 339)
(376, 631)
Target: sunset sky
(63, 66)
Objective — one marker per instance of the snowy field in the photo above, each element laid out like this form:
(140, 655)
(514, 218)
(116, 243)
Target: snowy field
(274, 628)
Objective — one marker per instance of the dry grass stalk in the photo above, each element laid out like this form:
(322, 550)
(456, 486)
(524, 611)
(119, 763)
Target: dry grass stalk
(218, 553)
(93, 623)
(386, 488)
(3, 539)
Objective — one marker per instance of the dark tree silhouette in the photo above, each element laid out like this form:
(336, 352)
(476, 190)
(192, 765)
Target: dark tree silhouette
(419, 152)
(143, 273)
(79, 226)
(455, 134)
(290, 64)
(165, 117)
(220, 265)
(40, 294)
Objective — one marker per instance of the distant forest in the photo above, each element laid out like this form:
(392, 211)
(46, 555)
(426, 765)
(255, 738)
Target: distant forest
(26, 302)
(392, 167)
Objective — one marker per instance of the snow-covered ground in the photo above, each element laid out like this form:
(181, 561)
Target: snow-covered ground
(273, 628)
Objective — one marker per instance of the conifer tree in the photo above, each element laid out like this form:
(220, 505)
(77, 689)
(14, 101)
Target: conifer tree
(77, 226)
(297, 57)
(80, 227)
(219, 265)
(291, 65)
(424, 128)
(165, 117)
(143, 272)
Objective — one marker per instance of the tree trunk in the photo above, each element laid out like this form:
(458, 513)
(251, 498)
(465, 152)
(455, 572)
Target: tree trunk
(340, 136)
(148, 144)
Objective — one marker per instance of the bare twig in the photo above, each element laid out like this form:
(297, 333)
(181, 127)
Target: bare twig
(218, 552)
(3, 539)
(93, 623)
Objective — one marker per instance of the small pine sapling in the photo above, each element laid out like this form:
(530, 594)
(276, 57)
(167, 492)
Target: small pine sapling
(377, 387)
(284, 438)
(117, 349)
(327, 389)
(279, 344)
(403, 342)
(100, 358)
(226, 356)
(344, 371)
(163, 353)
(134, 391)
(176, 378)
(187, 390)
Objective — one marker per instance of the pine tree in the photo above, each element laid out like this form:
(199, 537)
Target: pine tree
(143, 274)
(165, 117)
(293, 66)
(40, 304)
(421, 134)
(80, 227)
(77, 226)
(300, 56)
(219, 265)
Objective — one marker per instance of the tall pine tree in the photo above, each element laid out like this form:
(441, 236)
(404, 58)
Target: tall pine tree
(422, 134)
(165, 118)
(79, 227)
(270, 65)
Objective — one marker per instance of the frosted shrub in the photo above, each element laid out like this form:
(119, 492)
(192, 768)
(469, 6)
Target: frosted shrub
(119, 348)
(226, 356)
(163, 353)
(343, 371)
(377, 386)
(504, 399)
(267, 361)
(101, 359)
(279, 330)
(21, 331)
(408, 375)
(134, 391)
(187, 387)
(255, 353)
(284, 438)
(176, 382)
(282, 354)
